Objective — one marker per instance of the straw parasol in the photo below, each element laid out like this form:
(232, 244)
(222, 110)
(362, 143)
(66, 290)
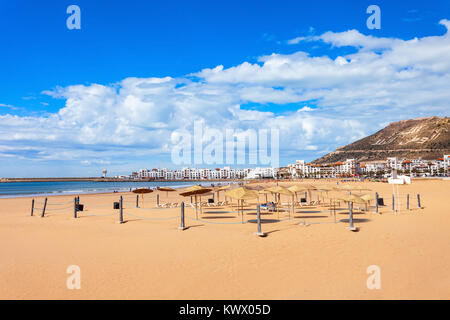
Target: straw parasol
(368, 197)
(195, 191)
(255, 187)
(353, 199)
(242, 194)
(265, 192)
(226, 187)
(166, 189)
(309, 188)
(349, 187)
(142, 191)
(281, 190)
(326, 189)
(297, 188)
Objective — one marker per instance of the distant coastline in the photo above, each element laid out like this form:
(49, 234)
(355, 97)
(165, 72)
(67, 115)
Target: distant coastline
(56, 187)
(99, 179)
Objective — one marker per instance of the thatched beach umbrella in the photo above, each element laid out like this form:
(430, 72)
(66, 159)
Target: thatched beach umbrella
(309, 188)
(368, 197)
(279, 190)
(226, 187)
(326, 189)
(195, 191)
(241, 194)
(349, 188)
(142, 191)
(297, 188)
(351, 199)
(167, 190)
(265, 192)
(255, 187)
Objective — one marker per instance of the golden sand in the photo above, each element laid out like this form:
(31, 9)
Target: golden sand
(152, 259)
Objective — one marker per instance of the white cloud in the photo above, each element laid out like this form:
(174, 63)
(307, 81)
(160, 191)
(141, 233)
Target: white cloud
(9, 106)
(353, 95)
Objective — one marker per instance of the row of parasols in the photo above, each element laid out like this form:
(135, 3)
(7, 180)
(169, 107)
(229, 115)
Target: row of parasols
(250, 192)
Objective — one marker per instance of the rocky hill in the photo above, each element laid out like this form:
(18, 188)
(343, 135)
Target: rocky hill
(428, 138)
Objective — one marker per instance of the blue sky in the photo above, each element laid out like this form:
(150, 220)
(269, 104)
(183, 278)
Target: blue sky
(51, 78)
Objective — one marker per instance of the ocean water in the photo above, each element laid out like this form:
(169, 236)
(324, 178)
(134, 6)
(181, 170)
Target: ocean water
(48, 188)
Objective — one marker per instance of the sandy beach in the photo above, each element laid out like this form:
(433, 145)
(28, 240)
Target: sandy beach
(151, 259)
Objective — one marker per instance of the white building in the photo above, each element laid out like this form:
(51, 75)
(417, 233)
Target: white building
(262, 173)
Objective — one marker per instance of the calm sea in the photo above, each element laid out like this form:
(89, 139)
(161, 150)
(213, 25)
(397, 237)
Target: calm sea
(48, 188)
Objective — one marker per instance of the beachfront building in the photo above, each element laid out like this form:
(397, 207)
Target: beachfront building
(301, 169)
(393, 163)
(352, 167)
(187, 173)
(262, 173)
(370, 168)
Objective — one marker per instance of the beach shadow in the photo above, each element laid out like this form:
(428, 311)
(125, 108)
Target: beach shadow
(215, 212)
(195, 225)
(262, 213)
(309, 211)
(264, 221)
(308, 217)
(306, 207)
(356, 220)
(218, 217)
(354, 213)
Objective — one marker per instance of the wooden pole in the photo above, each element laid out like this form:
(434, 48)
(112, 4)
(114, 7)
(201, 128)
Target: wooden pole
(32, 207)
(121, 210)
(182, 226)
(393, 202)
(43, 209)
(350, 209)
(196, 207)
(75, 207)
(376, 202)
(258, 220)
